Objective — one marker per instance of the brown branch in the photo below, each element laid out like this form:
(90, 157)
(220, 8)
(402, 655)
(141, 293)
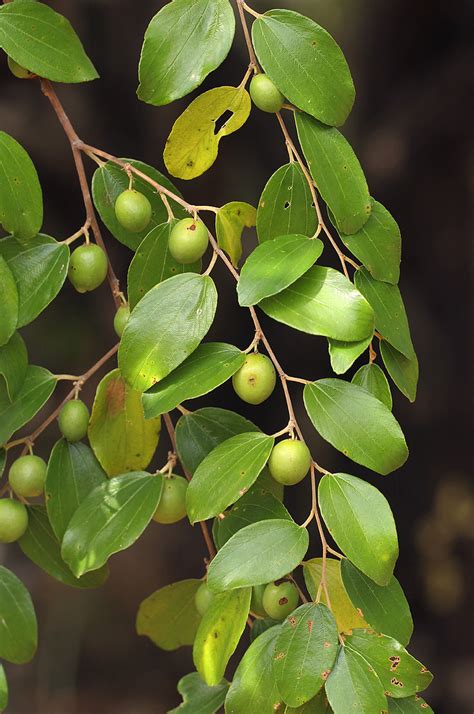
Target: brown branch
(243, 21)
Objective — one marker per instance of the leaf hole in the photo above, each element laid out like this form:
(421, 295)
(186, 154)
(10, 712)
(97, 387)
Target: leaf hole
(221, 121)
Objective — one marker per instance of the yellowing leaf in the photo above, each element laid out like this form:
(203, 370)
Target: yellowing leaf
(230, 223)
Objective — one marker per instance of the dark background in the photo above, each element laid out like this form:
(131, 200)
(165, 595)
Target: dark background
(411, 127)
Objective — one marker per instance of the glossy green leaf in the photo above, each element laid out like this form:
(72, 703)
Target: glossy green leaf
(306, 64)
(337, 172)
(318, 705)
(193, 144)
(182, 36)
(410, 705)
(41, 546)
(353, 686)
(219, 633)
(153, 263)
(41, 40)
(226, 474)
(110, 519)
(166, 326)
(402, 370)
(372, 378)
(356, 423)
(21, 198)
(18, 626)
(110, 180)
(384, 608)
(10, 302)
(209, 366)
(323, 302)
(39, 269)
(274, 265)
(231, 220)
(120, 436)
(257, 554)
(35, 391)
(198, 697)
(3, 689)
(73, 472)
(361, 522)
(13, 364)
(169, 616)
(305, 652)
(344, 354)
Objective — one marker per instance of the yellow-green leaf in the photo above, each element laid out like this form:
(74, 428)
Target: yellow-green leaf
(230, 223)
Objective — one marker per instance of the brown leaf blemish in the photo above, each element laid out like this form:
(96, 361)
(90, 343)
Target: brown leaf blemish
(396, 682)
(310, 626)
(395, 660)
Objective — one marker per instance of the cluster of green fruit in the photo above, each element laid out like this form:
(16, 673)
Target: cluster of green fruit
(275, 600)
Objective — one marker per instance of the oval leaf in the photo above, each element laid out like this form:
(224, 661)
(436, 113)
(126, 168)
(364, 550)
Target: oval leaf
(371, 378)
(13, 364)
(18, 626)
(402, 370)
(198, 697)
(353, 686)
(21, 198)
(344, 354)
(10, 302)
(35, 391)
(231, 220)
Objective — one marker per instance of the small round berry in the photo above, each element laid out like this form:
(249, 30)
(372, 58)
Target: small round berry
(172, 505)
(188, 240)
(133, 210)
(121, 319)
(13, 520)
(289, 461)
(73, 420)
(256, 379)
(27, 476)
(256, 603)
(280, 599)
(87, 267)
(265, 95)
(19, 71)
(203, 599)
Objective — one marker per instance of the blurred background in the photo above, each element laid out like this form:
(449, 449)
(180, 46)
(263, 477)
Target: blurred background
(412, 65)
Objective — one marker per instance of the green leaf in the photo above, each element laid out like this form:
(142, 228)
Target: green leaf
(198, 697)
(318, 705)
(21, 198)
(110, 519)
(181, 36)
(40, 545)
(44, 42)
(13, 364)
(354, 686)
(371, 378)
(18, 626)
(261, 625)
(226, 474)
(3, 460)
(120, 436)
(73, 472)
(35, 391)
(356, 423)
(3, 689)
(274, 265)
(193, 144)
(344, 354)
(402, 370)
(400, 674)
(110, 180)
(253, 688)
(384, 608)
(209, 366)
(257, 554)
(323, 302)
(231, 220)
(39, 269)
(305, 652)
(361, 522)
(306, 64)
(169, 616)
(9, 302)
(219, 633)
(286, 205)
(153, 263)
(410, 705)
(337, 172)
(166, 326)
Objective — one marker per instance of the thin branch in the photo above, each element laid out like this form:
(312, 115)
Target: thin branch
(243, 20)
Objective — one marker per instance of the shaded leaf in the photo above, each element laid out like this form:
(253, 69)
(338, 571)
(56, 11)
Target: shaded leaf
(198, 697)
(18, 626)
(35, 391)
(318, 705)
(231, 220)
(402, 370)
(371, 378)
(3, 689)
(353, 686)
(9, 302)
(21, 198)
(410, 705)
(344, 354)
(13, 364)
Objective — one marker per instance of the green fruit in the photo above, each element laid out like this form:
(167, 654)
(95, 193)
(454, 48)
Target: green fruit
(172, 505)
(121, 319)
(280, 599)
(256, 379)
(18, 70)
(289, 461)
(27, 476)
(73, 420)
(203, 599)
(13, 520)
(265, 95)
(133, 210)
(87, 267)
(256, 603)
(188, 240)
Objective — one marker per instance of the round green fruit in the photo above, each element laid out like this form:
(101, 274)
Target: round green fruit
(13, 520)
(256, 603)
(133, 210)
(265, 95)
(289, 461)
(121, 319)
(203, 599)
(280, 599)
(188, 240)
(256, 379)
(87, 267)
(19, 71)
(27, 476)
(73, 420)
(172, 505)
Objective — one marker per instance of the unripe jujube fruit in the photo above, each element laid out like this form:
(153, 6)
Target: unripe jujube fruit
(280, 599)
(18, 71)
(289, 461)
(256, 379)
(188, 240)
(121, 319)
(73, 420)
(256, 603)
(27, 476)
(13, 520)
(87, 267)
(265, 95)
(203, 599)
(172, 505)
(133, 210)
